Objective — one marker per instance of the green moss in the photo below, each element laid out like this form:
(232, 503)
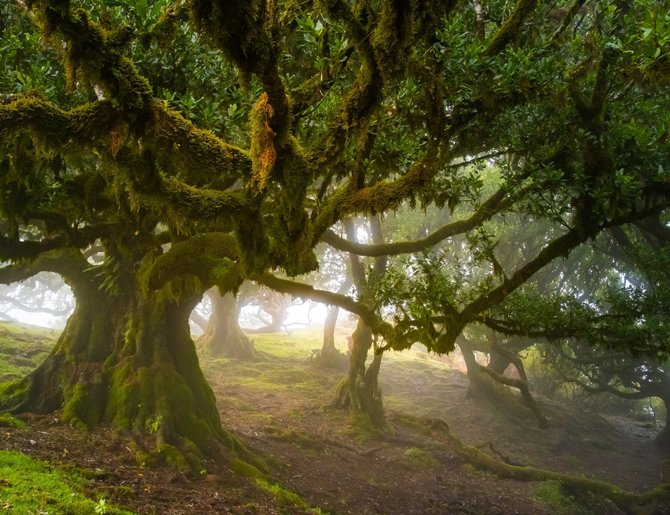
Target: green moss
(363, 429)
(185, 460)
(12, 392)
(561, 503)
(145, 459)
(421, 458)
(32, 486)
(286, 497)
(83, 407)
(7, 420)
(246, 469)
(123, 393)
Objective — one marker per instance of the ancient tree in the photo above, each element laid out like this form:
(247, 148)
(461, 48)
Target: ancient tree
(203, 143)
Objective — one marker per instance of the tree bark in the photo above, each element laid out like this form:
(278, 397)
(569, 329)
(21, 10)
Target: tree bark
(223, 336)
(359, 391)
(131, 364)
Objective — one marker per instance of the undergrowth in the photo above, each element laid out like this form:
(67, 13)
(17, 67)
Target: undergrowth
(29, 486)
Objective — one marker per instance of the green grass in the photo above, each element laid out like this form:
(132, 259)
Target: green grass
(22, 348)
(29, 486)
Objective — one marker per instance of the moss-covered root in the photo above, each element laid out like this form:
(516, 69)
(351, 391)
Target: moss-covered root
(285, 498)
(626, 500)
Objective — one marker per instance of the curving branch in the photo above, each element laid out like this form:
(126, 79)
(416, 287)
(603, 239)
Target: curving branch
(68, 263)
(494, 204)
(298, 289)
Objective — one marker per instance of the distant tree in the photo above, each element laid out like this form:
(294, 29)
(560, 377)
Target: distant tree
(41, 295)
(605, 316)
(597, 370)
(223, 335)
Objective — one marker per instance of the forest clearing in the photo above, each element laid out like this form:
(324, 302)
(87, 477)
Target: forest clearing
(278, 407)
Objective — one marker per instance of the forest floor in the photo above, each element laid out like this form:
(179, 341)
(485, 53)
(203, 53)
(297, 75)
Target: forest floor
(277, 406)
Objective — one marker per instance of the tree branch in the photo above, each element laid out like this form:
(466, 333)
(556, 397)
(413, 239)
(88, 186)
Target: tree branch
(494, 204)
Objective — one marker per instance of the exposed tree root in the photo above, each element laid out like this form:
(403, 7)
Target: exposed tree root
(631, 502)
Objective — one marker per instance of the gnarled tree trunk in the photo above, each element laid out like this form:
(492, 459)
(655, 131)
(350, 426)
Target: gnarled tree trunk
(223, 336)
(130, 362)
(359, 391)
(488, 383)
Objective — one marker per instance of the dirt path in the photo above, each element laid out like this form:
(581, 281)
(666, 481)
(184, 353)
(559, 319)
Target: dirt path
(277, 407)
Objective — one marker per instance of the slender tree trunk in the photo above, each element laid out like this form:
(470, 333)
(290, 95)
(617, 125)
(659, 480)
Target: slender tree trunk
(329, 356)
(223, 336)
(360, 391)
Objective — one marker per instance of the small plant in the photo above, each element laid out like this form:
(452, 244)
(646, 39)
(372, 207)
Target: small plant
(101, 507)
(153, 424)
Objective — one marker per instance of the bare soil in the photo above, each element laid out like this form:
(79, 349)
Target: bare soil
(277, 406)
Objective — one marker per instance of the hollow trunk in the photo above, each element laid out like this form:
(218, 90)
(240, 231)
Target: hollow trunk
(133, 365)
(359, 391)
(223, 336)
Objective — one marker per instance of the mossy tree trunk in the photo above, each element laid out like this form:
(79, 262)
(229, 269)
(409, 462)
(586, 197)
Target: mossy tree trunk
(359, 391)
(157, 386)
(223, 336)
(73, 376)
(129, 361)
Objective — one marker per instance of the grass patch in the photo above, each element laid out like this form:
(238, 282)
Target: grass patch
(561, 503)
(285, 497)
(30, 486)
(416, 457)
(22, 348)
(7, 420)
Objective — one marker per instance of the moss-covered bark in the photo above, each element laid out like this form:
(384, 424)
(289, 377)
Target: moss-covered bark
(133, 365)
(72, 377)
(359, 391)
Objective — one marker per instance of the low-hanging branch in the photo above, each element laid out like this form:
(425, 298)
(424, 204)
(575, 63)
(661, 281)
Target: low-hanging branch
(14, 249)
(70, 264)
(298, 289)
(494, 204)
